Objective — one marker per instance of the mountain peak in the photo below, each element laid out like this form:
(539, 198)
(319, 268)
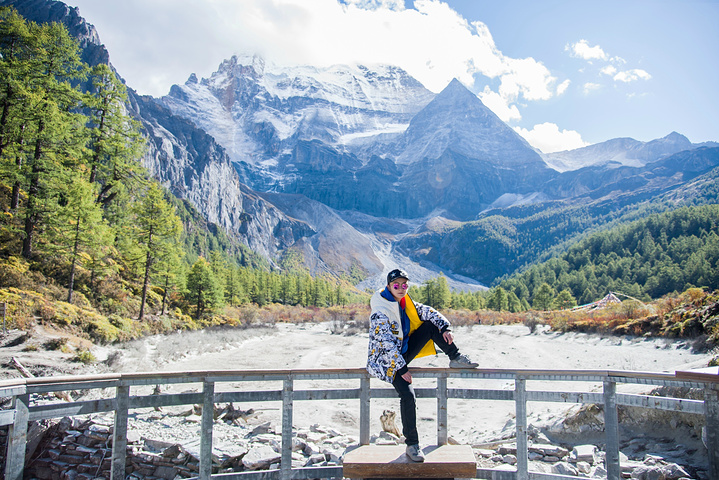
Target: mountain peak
(456, 119)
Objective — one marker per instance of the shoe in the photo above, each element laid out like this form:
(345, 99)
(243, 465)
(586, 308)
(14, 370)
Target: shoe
(414, 452)
(462, 361)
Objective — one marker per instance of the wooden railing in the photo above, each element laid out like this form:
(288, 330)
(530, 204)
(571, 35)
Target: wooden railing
(24, 410)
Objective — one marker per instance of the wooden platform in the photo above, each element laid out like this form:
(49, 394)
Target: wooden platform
(390, 461)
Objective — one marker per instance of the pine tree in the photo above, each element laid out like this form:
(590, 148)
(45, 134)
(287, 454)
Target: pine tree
(202, 288)
(53, 132)
(157, 230)
(115, 141)
(78, 232)
(565, 299)
(543, 297)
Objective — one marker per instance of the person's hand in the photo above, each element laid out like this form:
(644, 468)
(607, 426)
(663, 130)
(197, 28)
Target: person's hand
(407, 377)
(448, 337)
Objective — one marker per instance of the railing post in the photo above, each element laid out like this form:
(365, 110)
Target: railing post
(711, 412)
(520, 405)
(611, 429)
(442, 409)
(287, 405)
(208, 420)
(17, 439)
(364, 409)
(119, 433)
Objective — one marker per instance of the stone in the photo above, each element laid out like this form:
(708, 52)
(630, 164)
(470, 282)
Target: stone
(168, 473)
(584, 467)
(263, 428)
(548, 449)
(259, 457)
(564, 468)
(507, 449)
(648, 472)
(674, 471)
(484, 452)
(584, 453)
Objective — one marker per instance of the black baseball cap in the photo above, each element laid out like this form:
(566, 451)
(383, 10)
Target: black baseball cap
(395, 274)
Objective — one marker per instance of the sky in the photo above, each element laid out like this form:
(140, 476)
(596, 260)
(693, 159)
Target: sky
(563, 73)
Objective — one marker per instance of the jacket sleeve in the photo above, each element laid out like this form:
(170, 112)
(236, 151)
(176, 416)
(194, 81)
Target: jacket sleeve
(384, 350)
(429, 314)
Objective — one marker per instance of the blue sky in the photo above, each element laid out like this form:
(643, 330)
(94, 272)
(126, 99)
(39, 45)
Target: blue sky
(563, 74)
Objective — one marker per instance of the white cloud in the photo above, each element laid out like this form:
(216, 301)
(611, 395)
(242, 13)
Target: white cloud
(499, 106)
(590, 87)
(581, 49)
(632, 75)
(170, 40)
(548, 138)
(562, 87)
(609, 70)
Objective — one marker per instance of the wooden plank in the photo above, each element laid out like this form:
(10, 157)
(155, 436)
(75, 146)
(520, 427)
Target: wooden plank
(390, 461)
(708, 374)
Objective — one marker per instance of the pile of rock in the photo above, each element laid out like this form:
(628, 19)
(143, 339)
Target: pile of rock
(581, 461)
(82, 449)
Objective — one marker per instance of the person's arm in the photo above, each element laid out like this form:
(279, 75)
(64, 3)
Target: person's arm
(386, 345)
(429, 314)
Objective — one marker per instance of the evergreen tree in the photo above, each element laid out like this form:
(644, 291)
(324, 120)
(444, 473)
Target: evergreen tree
(79, 233)
(543, 297)
(498, 300)
(115, 141)
(43, 136)
(565, 300)
(202, 288)
(444, 294)
(157, 231)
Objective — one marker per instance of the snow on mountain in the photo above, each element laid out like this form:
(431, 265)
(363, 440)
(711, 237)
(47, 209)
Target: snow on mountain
(619, 152)
(457, 120)
(257, 111)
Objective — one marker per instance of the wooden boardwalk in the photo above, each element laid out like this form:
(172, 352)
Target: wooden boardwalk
(390, 461)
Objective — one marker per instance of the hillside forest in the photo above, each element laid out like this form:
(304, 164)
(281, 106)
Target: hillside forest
(90, 241)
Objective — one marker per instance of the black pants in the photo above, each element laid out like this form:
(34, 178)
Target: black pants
(407, 401)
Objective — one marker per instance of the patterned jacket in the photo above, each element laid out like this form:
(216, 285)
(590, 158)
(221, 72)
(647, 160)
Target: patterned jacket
(384, 356)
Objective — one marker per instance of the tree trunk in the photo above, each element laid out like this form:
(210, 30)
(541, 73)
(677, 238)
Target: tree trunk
(199, 302)
(146, 281)
(33, 217)
(164, 294)
(15, 199)
(96, 153)
(75, 248)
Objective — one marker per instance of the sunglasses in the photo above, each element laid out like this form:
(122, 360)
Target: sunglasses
(403, 286)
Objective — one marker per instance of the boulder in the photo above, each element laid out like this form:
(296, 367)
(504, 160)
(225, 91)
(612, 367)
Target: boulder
(259, 457)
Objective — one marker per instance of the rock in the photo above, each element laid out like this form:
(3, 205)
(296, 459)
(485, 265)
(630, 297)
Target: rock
(584, 467)
(648, 472)
(510, 459)
(263, 428)
(259, 457)
(674, 471)
(548, 449)
(584, 453)
(509, 448)
(564, 468)
(484, 452)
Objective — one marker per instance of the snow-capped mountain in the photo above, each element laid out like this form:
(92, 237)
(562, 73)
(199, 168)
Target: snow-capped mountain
(258, 111)
(457, 120)
(621, 152)
(361, 167)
